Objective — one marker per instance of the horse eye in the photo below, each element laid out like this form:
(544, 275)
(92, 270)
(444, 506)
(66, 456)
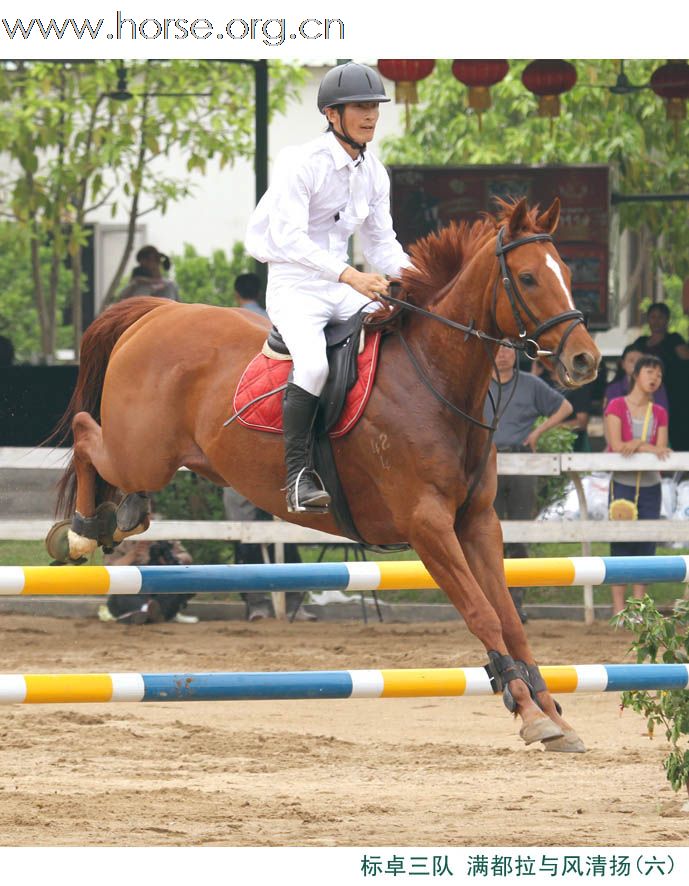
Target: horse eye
(527, 279)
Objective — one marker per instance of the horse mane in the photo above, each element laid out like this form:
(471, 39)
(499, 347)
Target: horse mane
(440, 256)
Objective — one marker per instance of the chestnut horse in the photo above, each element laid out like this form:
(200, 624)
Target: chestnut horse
(156, 383)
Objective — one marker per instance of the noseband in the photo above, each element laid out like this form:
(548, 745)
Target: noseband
(530, 345)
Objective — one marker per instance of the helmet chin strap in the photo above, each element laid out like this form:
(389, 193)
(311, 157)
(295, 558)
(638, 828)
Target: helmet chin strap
(346, 138)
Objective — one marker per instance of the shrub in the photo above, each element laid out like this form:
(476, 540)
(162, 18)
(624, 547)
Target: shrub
(664, 639)
(210, 279)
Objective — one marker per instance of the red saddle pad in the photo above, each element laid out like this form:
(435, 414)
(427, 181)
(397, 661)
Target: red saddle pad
(264, 374)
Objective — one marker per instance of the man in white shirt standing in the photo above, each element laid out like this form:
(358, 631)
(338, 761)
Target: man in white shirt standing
(322, 192)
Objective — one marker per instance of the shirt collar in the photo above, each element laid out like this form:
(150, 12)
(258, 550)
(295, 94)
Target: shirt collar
(340, 157)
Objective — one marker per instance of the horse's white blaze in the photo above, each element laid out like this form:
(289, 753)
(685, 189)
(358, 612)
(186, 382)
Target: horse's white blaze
(557, 270)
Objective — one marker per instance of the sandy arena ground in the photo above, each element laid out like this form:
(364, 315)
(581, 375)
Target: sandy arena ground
(398, 772)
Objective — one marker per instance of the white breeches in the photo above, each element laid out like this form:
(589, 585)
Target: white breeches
(301, 311)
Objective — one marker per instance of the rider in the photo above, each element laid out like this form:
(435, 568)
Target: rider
(321, 193)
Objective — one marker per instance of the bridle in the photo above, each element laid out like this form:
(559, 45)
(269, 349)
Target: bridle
(528, 345)
(516, 301)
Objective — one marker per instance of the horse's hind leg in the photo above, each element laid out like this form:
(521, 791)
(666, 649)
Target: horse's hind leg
(433, 537)
(93, 525)
(107, 524)
(77, 539)
(481, 540)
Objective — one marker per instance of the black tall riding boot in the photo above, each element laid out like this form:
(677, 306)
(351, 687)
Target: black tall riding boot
(305, 490)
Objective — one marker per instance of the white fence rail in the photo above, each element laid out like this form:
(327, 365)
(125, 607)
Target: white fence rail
(582, 531)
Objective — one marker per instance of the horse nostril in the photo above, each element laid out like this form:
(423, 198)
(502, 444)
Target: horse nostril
(583, 364)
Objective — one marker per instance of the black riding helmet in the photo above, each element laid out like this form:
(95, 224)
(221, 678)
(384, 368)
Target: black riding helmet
(350, 82)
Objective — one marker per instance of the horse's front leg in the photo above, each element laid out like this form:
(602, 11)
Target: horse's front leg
(480, 537)
(434, 539)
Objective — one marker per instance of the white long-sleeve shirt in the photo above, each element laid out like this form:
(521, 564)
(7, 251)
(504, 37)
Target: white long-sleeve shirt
(318, 198)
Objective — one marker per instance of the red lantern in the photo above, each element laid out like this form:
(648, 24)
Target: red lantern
(671, 82)
(479, 74)
(548, 79)
(406, 72)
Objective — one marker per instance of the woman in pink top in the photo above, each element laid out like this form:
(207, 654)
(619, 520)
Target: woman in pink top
(624, 424)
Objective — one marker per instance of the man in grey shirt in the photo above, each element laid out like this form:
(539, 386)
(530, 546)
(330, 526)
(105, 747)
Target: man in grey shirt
(518, 410)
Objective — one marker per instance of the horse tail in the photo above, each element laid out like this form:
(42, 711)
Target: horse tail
(96, 347)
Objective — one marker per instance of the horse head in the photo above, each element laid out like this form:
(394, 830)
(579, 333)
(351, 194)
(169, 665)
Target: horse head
(532, 296)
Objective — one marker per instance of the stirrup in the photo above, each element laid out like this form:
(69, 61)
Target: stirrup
(295, 506)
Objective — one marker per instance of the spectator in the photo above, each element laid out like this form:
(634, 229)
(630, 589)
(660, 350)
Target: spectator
(668, 346)
(6, 351)
(626, 418)
(247, 290)
(622, 382)
(671, 348)
(147, 277)
(258, 605)
(580, 399)
(519, 408)
(142, 608)
(582, 404)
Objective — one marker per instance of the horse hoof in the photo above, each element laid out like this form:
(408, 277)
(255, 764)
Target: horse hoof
(57, 545)
(56, 541)
(132, 511)
(542, 729)
(120, 535)
(569, 743)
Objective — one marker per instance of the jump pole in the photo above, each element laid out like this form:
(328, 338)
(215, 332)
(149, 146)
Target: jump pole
(410, 683)
(355, 576)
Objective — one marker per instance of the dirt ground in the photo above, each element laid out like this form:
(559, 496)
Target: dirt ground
(403, 772)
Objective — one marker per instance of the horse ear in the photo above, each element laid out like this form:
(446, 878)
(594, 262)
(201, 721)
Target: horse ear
(550, 219)
(518, 217)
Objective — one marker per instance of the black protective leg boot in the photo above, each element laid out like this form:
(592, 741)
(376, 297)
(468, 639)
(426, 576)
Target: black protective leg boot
(305, 490)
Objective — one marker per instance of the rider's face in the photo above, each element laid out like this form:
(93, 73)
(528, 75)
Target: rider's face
(359, 120)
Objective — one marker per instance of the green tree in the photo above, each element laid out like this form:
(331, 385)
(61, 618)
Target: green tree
(17, 316)
(631, 133)
(210, 280)
(80, 136)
